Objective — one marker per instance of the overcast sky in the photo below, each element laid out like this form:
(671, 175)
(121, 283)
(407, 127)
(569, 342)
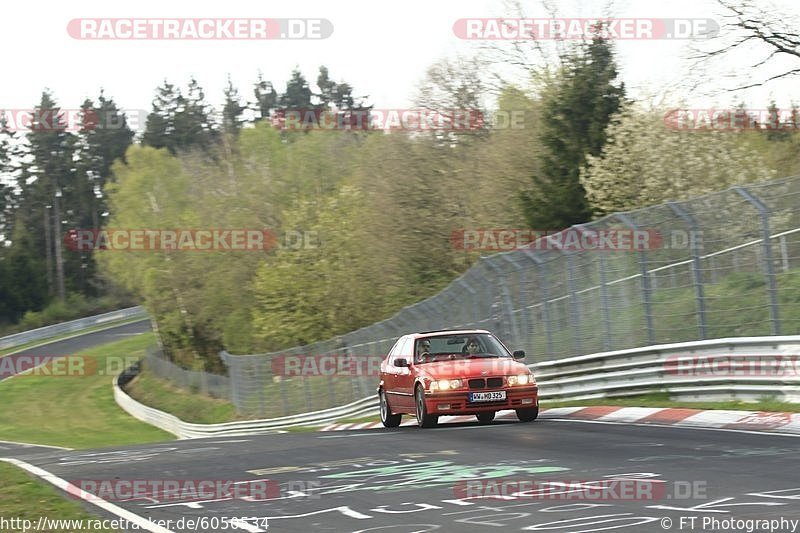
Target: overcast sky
(381, 48)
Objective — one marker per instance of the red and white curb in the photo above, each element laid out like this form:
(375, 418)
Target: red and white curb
(662, 416)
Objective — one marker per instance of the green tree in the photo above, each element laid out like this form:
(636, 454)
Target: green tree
(178, 122)
(266, 97)
(298, 94)
(577, 106)
(232, 110)
(644, 163)
(49, 189)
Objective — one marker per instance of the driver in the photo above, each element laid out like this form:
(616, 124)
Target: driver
(423, 350)
(472, 346)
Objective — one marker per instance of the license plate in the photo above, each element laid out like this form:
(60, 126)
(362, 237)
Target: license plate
(487, 396)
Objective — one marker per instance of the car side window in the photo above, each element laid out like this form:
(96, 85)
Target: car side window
(406, 350)
(395, 350)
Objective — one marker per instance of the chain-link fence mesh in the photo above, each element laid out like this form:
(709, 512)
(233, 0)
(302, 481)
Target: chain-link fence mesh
(725, 264)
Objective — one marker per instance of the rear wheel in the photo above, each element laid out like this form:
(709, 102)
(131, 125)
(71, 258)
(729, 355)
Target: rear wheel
(528, 415)
(387, 418)
(485, 418)
(424, 420)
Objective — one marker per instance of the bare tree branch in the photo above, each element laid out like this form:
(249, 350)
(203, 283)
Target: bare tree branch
(759, 30)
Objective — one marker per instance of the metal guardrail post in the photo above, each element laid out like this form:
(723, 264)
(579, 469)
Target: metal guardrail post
(772, 286)
(697, 274)
(646, 286)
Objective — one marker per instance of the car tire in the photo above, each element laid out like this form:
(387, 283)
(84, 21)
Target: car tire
(387, 418)
(528, 415)
(485, 418)
(424, 420)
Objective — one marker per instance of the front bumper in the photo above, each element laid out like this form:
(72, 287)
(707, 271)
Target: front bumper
(457, 402)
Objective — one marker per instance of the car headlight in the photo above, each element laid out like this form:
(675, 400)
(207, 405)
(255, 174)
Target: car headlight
(521, 379)
(446, 384)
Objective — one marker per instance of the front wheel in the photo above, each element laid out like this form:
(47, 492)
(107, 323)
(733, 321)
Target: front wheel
(424, 420)
(387, 418)
(528, 415)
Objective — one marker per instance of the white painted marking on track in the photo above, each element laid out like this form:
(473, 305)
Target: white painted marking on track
(31, 444)
(675, 426)
(66, 486)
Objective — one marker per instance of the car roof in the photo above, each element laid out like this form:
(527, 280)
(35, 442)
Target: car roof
(441, 332)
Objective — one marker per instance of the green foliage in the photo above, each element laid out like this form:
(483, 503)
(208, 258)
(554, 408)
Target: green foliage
(578, 104)
(646, 163)
(178, 122)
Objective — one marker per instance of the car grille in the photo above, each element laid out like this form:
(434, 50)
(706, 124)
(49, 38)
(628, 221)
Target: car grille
(494, 383)
(491, 383)
(477, 384)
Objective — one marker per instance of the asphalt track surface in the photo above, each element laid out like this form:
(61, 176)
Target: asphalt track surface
(408, 479)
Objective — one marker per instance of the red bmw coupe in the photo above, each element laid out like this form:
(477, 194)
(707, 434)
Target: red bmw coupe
(464, 372)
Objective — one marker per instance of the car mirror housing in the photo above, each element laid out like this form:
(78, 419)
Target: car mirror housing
(401, 362)
(519, 354)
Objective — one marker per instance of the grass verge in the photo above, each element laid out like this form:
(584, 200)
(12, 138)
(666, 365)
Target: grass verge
(42, 342)
(186, 405)
(24, 497)
(75, 411)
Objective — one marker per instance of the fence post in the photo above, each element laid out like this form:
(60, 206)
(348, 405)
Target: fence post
(772, 286)
(646, 288)
(233, 375)
(574, 310)
(697, 274)
(604, 303)
(506, 299)
(471, 305)
(548, 330)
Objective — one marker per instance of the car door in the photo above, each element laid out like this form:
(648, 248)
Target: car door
(390, 372)
(404, 379)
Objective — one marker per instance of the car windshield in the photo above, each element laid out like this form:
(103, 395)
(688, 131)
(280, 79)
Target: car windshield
(459, 346)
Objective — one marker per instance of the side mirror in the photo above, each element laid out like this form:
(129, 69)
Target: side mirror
(519, 354)
(401, 362)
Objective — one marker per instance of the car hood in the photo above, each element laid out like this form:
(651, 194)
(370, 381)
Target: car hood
(468, 368)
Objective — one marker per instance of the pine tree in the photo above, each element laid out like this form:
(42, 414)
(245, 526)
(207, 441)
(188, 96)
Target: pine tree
(577, 107)
(266, 98)
(161, 120)
(49, 188)
(232, 110)
(297, 95)
(178, 122)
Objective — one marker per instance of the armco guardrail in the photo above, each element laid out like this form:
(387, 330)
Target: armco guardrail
(745, 368)
(188, 430)
(69, 327)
